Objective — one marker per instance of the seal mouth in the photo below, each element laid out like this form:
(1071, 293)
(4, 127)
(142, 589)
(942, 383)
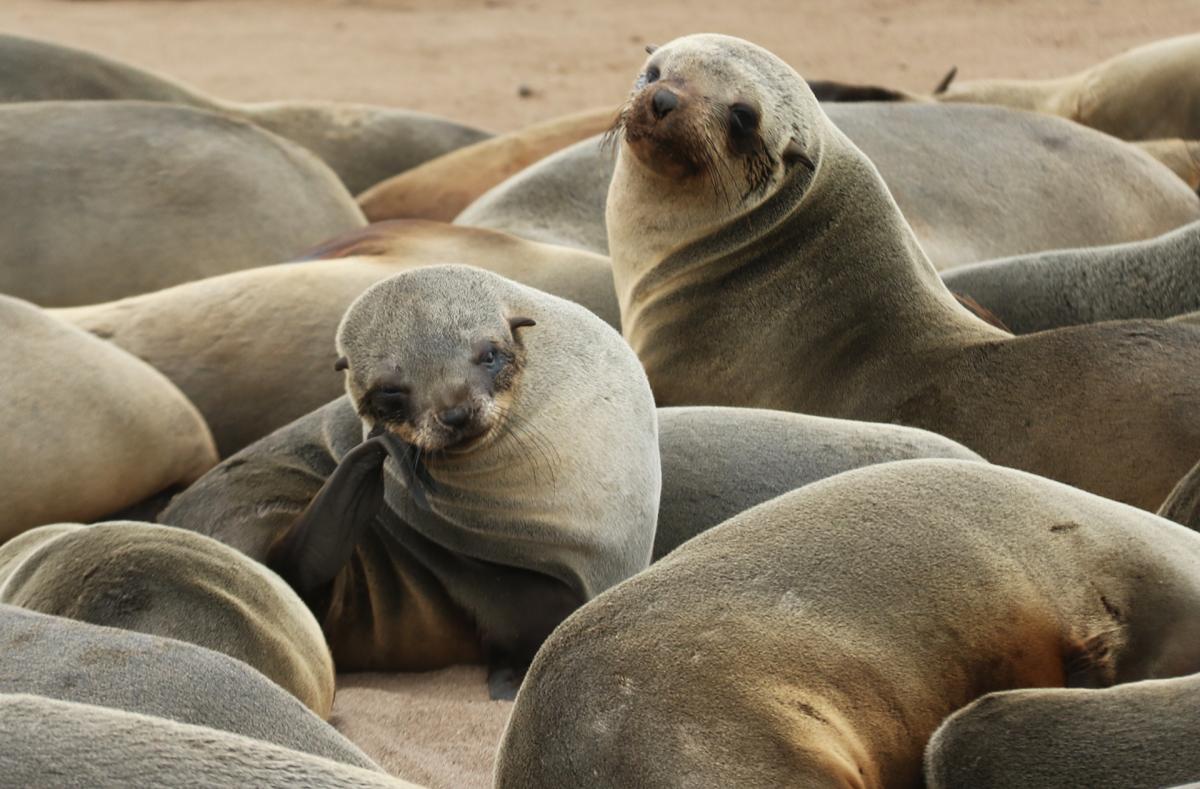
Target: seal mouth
(669, 144)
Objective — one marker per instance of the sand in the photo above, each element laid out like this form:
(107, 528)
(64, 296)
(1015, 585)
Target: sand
(468, 59)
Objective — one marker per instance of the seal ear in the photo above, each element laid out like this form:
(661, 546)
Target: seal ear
(946, 80)
(520, 322)
(651, 49)
(794, 153)
(341, 364)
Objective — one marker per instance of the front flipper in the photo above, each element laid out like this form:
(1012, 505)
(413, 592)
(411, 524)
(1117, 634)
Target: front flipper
(412, 469)
(312, 551)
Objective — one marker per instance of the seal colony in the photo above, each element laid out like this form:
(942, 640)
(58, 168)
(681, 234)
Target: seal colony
(501, 418)
(820, 638)
(733, 194)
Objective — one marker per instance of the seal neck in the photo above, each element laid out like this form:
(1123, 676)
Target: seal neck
(825, 277)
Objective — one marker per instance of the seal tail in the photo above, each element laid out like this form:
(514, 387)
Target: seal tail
(1182, 504)
(946, 80)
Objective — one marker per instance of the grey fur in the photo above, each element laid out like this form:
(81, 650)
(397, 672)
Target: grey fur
(85, 428)
(63, 744)
(73, 661)
(1136, 736)
(718, 462)
(107, 199)
(170, 582)
(975, 183)
(1157, 278)
(818, 639)
(362, 144)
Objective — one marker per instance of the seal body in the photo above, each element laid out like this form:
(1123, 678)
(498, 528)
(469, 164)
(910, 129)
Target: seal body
(463, 551)
(1155, 278)
(963, 176)
(108, 748)
(1139, 735)
(790, 280)
(1146, 93)
(87, 429)
(361, 143)
(441, 188)
(169, 582)
(718, 462)
(74, 661)
(253, 349)
(792, 646)
(146, 184)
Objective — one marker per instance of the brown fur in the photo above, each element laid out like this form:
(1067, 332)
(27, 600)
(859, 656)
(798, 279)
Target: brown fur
(441, 188)
(819, 638)
(813, 295)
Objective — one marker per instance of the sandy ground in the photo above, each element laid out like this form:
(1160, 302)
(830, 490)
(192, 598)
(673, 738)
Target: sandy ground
(467, 59)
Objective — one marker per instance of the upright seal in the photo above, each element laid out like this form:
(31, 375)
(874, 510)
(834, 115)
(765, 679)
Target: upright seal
(760, 260)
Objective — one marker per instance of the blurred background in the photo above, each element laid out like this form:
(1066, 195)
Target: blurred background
(501, 64)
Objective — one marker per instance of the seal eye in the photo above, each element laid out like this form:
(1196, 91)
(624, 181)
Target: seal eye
(652, 74)
(743, 120)
(491, 359)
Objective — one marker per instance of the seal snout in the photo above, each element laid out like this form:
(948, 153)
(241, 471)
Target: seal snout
(454, 417)
(663, 102)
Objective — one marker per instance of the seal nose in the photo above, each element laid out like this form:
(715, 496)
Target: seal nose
(454, 417)
(663, 102)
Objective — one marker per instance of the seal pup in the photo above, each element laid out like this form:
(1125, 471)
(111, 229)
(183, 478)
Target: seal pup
(74, 661)
(820, 638)
(441, 188)
(122, 432)
(1141, 735)
(252, 348)
(363, 144)
(718, 462)
(1149, 92)
(86, 745)
(107, 199)
(1156, 278)
(975, 183)
(735, 196)
(459, 502)
(170, 582)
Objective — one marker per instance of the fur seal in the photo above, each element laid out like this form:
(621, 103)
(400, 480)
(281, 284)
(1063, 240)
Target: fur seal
(975, 183)
(1147, 93)
(1181, 157)
(820, 638)
(87, 429)
(1156, 278)
(197, 333)
(717, 462)
(362, 144)
(86, 745)
(785, 277)
(441, 188)
(108, 199)
(73, 661)
(1136, 736)
(170, 582)
(483, 403)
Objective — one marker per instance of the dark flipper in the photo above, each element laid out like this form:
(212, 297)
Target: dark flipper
(319, 543)
(416, 475)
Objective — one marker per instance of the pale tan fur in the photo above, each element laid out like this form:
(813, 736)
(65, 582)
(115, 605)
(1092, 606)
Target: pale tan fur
(437, 728)
(813, 295)
(820, 638)
(362, 144)
(441, 188)
(170, 582)
(61, 743)
(254, 349)
(1181, 157)
(87, 429)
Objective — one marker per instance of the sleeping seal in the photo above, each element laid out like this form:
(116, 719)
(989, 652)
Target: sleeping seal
(460, 501)
(820, 638)
(170, 582)
(784, 276)
(86, 428)
(252, 348)
(107, 199)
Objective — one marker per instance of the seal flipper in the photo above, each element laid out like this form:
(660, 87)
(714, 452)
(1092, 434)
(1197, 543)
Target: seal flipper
(310, 553)
(408, 461)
